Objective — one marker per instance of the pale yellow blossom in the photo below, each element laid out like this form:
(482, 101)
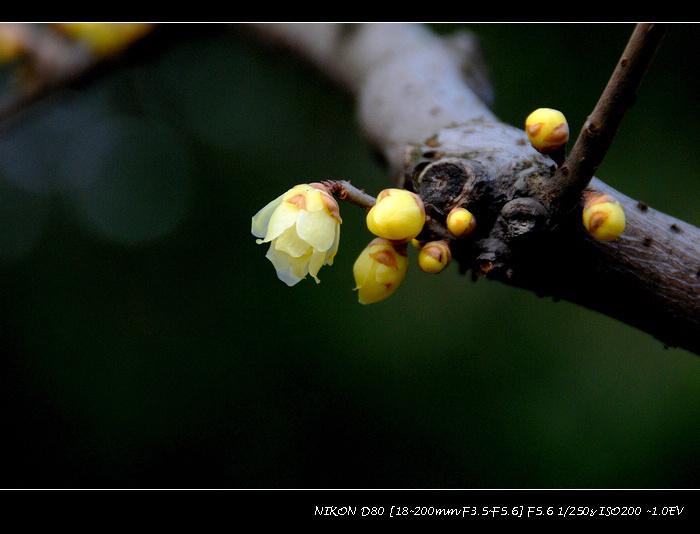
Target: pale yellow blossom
(303, 229)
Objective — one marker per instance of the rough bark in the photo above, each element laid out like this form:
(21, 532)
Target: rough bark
(649, 277)
(422, 101)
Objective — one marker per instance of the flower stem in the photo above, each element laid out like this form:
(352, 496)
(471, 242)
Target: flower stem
(344, 190)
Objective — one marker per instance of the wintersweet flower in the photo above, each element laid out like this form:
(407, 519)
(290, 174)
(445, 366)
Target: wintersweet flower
(398, 215)
(303, 229)
(10, 46)
(105, 38)
(379, 270)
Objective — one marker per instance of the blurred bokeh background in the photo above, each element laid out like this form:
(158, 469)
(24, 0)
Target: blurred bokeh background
(146, 341)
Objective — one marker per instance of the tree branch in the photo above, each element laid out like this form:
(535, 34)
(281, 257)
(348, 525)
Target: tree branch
(51, 60)
(346, 191)
(407, 81)
(418, 107)
(423, 102)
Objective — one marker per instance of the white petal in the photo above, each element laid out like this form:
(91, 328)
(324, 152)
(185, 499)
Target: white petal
(282, 265)
(317, 261)
(288, 277)
(334, 247)
(283, 217)
(300, 266)
(317, 228)
(261, 219)
(291, 243)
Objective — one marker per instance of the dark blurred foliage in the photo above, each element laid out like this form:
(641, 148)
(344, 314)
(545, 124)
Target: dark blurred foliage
(146, 341)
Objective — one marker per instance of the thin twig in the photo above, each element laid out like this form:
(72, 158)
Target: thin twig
(344, 190)
(50, 61)
(601, 126)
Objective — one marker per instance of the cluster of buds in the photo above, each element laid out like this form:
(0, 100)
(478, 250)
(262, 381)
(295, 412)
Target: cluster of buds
(396, 218)
(435, 256)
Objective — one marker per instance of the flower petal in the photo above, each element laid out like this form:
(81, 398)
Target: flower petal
(313, 199)
(261, 219)
(291, 243)
(288, 277)
(300, 266)
(284, 216)
(317, 228)
(334, 247)
(282, 265)
(318, 259)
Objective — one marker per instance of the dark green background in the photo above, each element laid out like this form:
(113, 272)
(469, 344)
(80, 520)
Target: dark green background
(146, 341)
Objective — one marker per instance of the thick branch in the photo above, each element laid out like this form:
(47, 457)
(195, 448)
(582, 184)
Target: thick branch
(649, 277)
(408, 82)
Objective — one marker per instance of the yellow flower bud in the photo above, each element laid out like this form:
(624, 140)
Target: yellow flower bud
(603, 217)
(303, 229)
(10, 47)
(398, 215)
(434, 257)
(379, 270)
(460, 222)
(104, 38)
(547, 130)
